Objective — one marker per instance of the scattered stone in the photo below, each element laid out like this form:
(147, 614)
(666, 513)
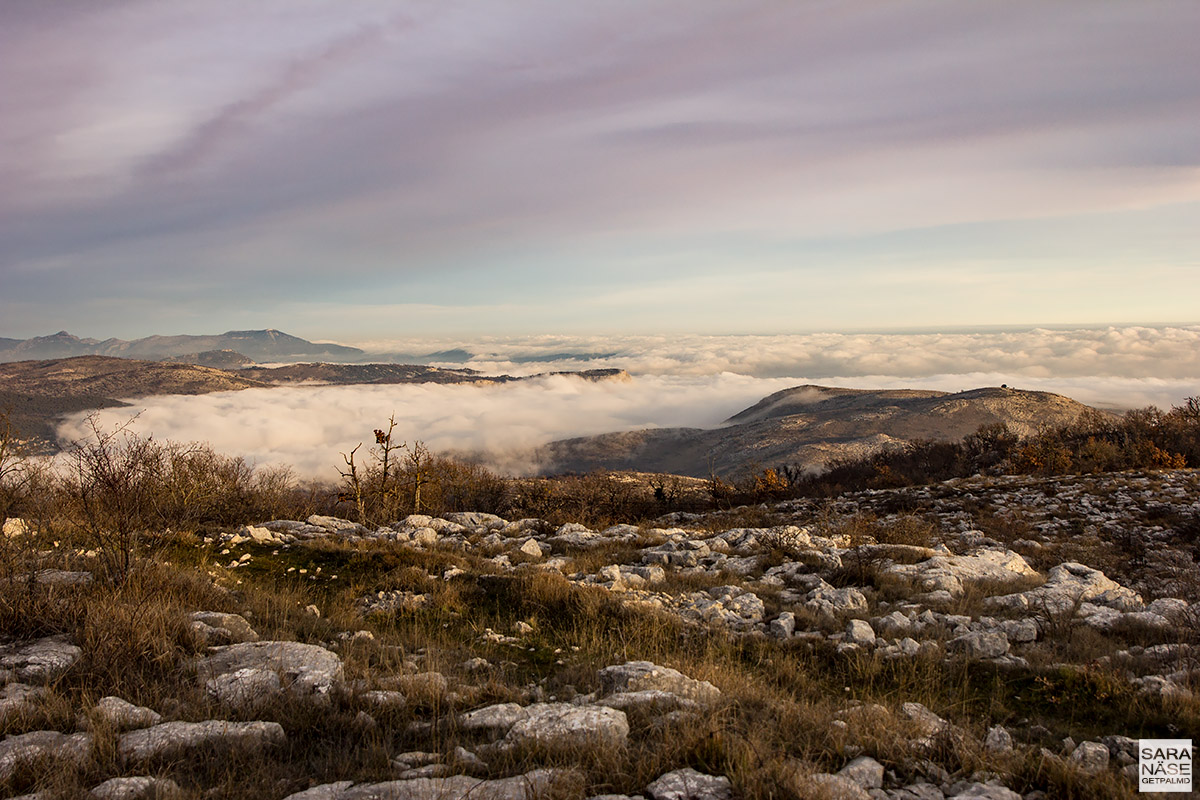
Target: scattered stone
(783, 626)
(998, 740)
(1091, 757)
(495, 719)
(1066, 586)
(860, 632)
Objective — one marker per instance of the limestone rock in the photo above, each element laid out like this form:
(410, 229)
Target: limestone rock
(688, 784)
(536, 784)
(1066, 586)
(122, 715)
(217, 628)
(838, 787)
(334, 523)
(998, 740)
(953, 573)
(177, 739)
(17, 698)
(305, 670)
(829, 602)
(979, 645)
(27, 748)
(860, 632)
(928, 723)
(245, 688)
(634, 676)
(495, 719)
(647, 700)
(783, 626)
(40, 661)
(137, 788)
(530, 548)
(865, 771)
(563, 727)
(1092, 757)
(984, 791)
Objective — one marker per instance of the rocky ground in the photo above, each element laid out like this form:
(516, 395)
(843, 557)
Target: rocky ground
(985, 638)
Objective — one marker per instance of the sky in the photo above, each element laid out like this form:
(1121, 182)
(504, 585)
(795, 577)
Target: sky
(361, 170)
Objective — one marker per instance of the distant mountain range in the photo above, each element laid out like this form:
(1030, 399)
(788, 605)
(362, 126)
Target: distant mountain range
(263, 345)
(811, 426)
(239, 348)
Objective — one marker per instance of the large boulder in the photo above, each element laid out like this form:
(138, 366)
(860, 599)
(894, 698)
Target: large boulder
(40, 661)
(241, 673)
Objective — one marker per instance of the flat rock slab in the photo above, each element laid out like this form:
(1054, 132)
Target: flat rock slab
(688, 784)
(19, 751)
(305, 669)
(173, 739)
(538, 783)
(638, 676)
(562, 726)
(40, 661)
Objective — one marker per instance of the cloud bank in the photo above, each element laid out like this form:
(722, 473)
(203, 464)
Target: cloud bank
(307, 427)
(1171, 353)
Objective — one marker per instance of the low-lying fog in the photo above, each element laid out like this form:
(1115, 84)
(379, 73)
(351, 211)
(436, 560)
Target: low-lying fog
(307, 427)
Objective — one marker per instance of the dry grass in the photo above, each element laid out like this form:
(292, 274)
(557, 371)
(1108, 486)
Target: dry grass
(771, 727)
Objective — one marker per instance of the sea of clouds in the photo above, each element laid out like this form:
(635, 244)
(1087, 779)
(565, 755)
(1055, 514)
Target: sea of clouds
(676, 381)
